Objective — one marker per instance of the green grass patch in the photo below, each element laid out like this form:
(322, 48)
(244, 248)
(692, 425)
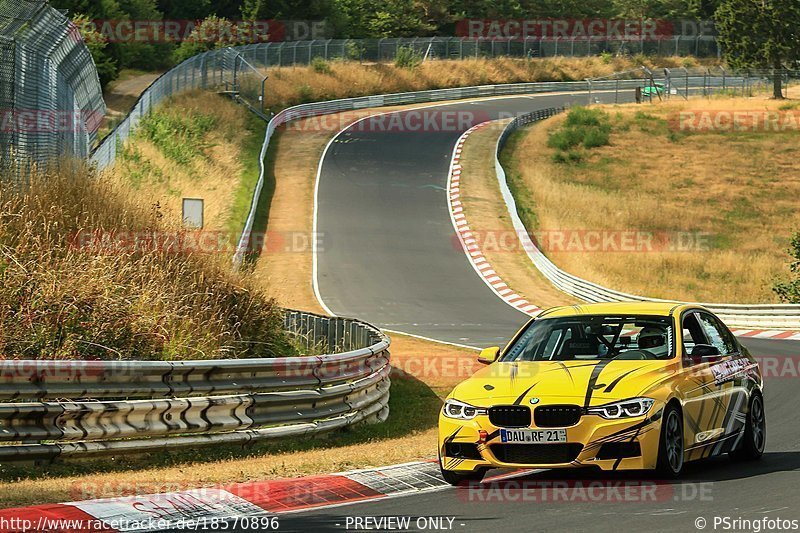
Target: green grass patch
(584, 128)
(524, 199)
(252, 141)
(178, 134)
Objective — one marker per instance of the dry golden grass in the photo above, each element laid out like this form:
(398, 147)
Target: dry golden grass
(80, 277)
(488, 217)
(741, 188)
(294, 85)
(414, 445)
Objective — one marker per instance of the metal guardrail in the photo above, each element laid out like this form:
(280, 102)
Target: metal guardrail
(742, 315)
(439, 95)
(190, 403)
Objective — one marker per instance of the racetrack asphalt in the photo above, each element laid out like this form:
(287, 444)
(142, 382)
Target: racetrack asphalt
(390, 259)
(388, 252)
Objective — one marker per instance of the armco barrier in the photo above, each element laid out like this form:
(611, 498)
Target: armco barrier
(742, 315)
(190, 403)
(439, 95)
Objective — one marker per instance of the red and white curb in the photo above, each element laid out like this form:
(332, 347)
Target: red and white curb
(252, 501)
(467, 238)
(484, 269)
(771, 334)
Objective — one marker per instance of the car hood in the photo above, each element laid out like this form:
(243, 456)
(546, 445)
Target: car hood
(599, 381)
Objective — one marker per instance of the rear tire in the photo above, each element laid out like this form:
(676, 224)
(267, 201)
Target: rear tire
(461, 478)
(755, 431)
(671, 444)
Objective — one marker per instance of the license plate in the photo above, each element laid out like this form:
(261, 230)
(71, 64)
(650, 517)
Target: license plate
(533, 436)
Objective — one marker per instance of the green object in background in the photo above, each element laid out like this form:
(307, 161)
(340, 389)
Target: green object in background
(653, 90)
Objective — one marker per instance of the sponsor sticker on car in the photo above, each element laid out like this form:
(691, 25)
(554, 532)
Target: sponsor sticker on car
(533, 436)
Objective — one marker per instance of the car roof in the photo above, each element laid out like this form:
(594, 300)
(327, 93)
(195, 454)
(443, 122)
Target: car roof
(615, 308)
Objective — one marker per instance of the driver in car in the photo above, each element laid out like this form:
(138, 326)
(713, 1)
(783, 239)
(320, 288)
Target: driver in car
(654, 340)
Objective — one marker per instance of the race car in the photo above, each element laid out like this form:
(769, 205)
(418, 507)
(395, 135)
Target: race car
(654, 90)
(617, 386)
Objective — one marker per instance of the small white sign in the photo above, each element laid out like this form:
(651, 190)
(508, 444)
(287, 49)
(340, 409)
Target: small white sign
(193, 212)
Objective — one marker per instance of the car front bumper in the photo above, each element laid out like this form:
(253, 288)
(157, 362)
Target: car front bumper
(626, 444)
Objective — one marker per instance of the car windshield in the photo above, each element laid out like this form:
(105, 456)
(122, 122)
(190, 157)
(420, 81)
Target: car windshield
(593, 337)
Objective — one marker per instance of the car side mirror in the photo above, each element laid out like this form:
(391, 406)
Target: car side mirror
(489, 355)
(703, 351)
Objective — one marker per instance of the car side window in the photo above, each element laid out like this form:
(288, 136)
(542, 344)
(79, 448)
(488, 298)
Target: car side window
(716, 334)
(693, 334)
(731, 346)
(552, 343)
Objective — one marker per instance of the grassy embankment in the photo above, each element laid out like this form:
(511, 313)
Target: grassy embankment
(733, 194)
(342, 79)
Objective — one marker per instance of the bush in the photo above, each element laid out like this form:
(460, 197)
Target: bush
(584, 116)
(590, 128)
(305, 94)
(177, 134)
(407, 57)
(789, 291)
(595, 137)
(320, 66)
(63, 295)
(565, 138)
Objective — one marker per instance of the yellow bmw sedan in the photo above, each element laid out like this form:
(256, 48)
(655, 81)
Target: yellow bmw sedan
(619, 386)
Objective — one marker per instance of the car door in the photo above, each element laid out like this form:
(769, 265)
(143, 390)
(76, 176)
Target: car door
(699, 395)
(728, 379)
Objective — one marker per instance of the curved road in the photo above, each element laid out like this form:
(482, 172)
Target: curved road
(389, 251)
(389, 258)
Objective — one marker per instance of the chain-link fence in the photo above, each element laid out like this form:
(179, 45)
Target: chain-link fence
(376, 50)
(50, 96)
(681, 82)
(225, 70)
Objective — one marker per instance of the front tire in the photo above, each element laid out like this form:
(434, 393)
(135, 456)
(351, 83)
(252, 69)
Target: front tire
(755, 432)
(671, 444)
(460, 478)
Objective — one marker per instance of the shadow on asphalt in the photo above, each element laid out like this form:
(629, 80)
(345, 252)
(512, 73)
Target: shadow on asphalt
(714, 469)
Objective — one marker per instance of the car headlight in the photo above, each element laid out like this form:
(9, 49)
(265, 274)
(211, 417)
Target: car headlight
(623, 409)
(461, 410)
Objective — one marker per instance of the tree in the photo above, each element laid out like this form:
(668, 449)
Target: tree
(212, 32)
(760, 34)
(96, 43)
(789, 291)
